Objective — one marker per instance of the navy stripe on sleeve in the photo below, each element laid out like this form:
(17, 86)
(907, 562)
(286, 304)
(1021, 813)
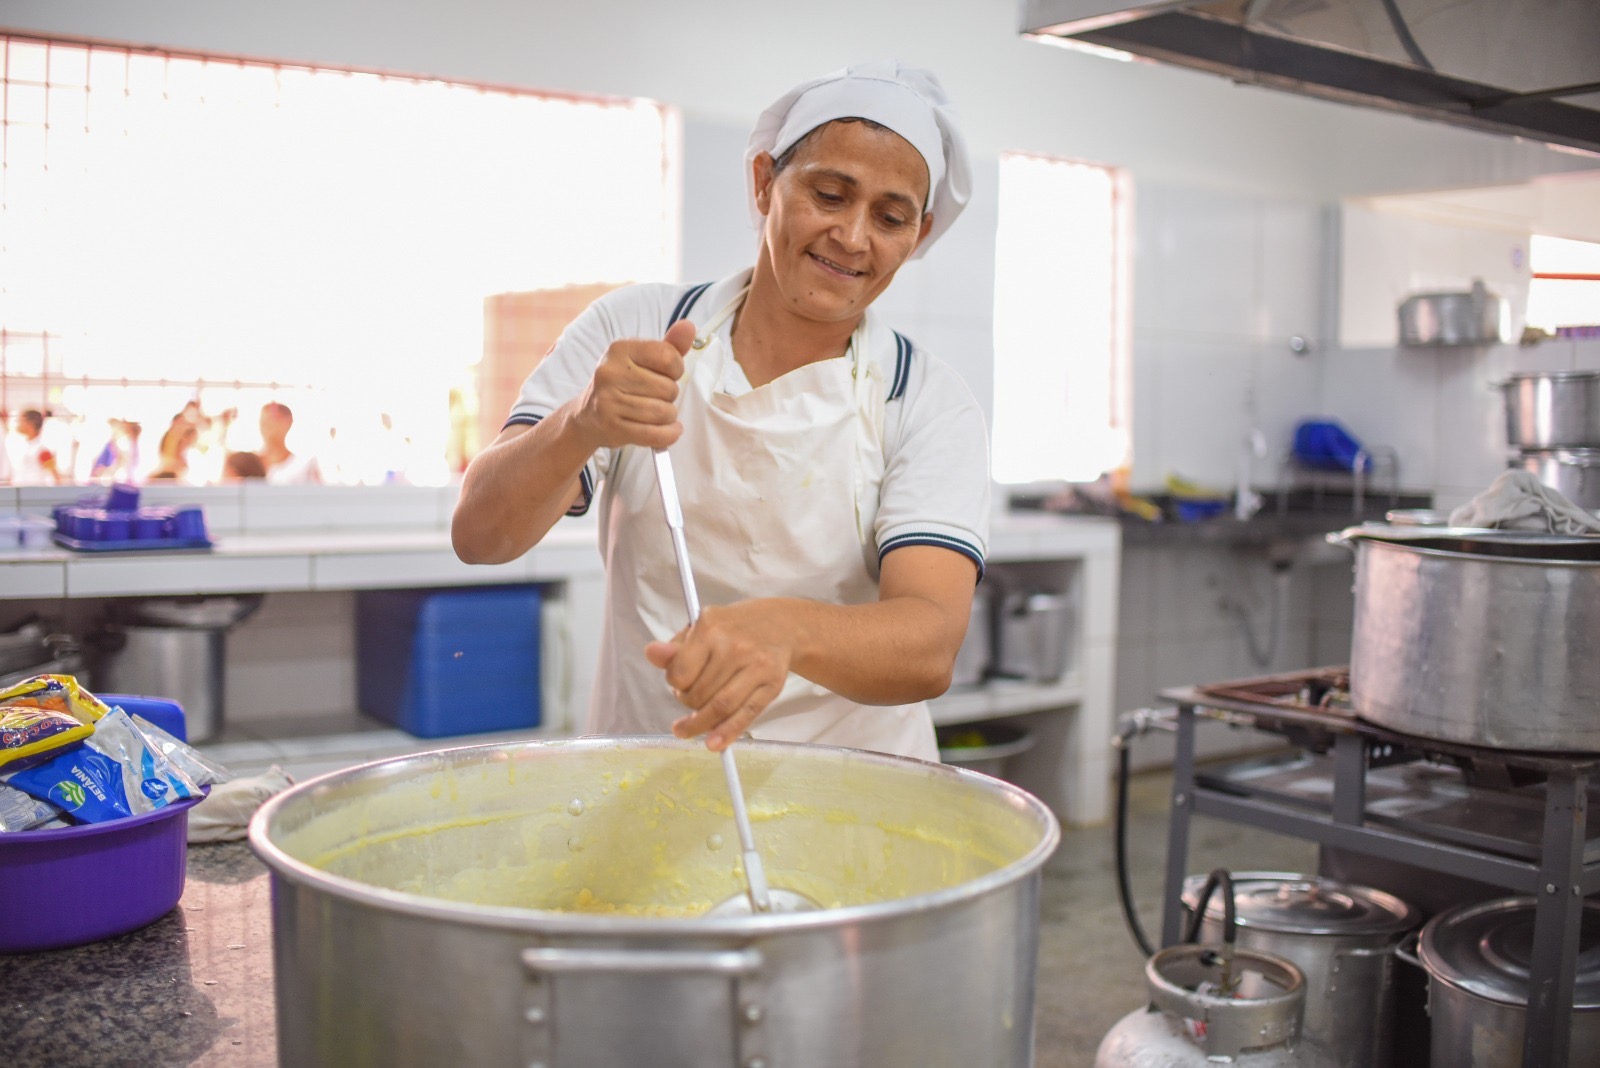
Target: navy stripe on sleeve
(584, 481)
(902, 366)
(686, 302)
(943, 541)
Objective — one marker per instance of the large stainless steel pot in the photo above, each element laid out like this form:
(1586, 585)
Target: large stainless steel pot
(1552, 409)
(1575, 473)
(1477, 958)
(425, 910)
(1480, 637)
(1342, 937)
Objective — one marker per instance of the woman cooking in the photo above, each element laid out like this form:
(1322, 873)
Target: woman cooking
(834, 477)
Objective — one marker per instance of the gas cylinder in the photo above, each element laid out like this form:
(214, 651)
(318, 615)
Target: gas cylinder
(1214, 1005)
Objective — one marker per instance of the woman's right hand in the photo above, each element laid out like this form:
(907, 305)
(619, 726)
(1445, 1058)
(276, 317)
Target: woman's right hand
(631, 400)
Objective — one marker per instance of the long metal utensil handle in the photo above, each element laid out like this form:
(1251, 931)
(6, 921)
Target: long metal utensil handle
(680, 548)
(755, 875)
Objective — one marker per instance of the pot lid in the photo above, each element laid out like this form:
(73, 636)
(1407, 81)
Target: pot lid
(1306, 904)
(1530, 545)
(1551, 376)
(1486, 949)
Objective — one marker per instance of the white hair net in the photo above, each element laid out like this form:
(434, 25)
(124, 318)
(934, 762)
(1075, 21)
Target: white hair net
(908, 100)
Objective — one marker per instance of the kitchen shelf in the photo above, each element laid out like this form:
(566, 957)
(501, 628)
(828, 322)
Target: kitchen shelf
(999, 698)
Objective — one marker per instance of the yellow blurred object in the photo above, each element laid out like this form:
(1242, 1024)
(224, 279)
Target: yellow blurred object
(1184, 490)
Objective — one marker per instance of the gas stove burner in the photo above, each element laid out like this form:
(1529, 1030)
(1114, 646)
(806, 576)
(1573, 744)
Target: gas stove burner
(1311, 709)
(1317, 690)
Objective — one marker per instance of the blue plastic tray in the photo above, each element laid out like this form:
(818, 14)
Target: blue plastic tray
(141, 545)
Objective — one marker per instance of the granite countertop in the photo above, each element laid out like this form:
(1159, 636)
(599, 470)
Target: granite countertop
(193, 988)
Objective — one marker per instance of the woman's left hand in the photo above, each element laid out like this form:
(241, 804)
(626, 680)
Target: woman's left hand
(727, 668)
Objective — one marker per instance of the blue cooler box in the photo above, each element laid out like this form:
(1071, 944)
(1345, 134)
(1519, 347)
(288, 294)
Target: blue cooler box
(445, 662)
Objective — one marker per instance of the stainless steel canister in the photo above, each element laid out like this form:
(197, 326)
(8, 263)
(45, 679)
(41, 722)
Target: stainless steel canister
(542, 903)
(1477, 957)
(1552, 409)
(1341, 936)
(1480, 637)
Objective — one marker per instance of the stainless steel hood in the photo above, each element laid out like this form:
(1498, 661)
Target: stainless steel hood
(1525, 67)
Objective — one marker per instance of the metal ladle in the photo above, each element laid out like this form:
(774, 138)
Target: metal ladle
(759, 897)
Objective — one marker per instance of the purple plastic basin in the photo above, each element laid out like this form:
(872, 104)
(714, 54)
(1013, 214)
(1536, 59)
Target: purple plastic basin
(96, 880)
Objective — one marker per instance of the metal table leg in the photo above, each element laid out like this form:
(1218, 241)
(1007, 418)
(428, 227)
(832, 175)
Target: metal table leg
(1557, 924)
(1178, 828)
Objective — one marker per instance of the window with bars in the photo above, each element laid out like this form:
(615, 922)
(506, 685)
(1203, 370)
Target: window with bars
(1061, 366)
(177, 227)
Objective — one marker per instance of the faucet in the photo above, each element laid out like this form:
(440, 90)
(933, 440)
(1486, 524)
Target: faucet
(1246, 501)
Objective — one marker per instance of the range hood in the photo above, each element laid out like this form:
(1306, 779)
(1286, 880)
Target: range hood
(1530, 68)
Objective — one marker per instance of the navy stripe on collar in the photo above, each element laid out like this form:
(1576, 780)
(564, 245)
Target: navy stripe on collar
(943, 541)
(686, 302)
(902, 366)
(584, 481)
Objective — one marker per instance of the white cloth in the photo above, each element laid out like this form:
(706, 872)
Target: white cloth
(796, 488)
(907, 100)
(1517, 500)
(224, 814)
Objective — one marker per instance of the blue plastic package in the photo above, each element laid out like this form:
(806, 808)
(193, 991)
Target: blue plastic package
(116, 773)
(1326, 445)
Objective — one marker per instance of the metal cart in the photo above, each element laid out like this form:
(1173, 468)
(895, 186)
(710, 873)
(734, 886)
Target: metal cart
(1359, 787)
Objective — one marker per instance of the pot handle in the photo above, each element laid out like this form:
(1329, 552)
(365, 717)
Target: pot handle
(721, 977)
(1406, 950)
(729, 962)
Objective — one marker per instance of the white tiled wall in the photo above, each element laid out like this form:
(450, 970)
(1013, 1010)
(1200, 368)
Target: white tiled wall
(1222, 281)
(1440, 407)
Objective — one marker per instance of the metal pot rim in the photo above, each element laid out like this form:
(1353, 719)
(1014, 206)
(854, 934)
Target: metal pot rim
(1537, 376)
(1416, 539)
(571, 923)
(1464, 930)
(1390, 915)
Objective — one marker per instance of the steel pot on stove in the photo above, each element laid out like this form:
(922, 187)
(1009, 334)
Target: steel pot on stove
(540, 903)
(1483, 637)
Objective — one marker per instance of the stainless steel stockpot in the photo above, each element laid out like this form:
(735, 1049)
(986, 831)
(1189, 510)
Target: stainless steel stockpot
(1552, 409)
(1479, 637)
(503, 905)
(1342, 937)
(1477, 957)
(1575, 473)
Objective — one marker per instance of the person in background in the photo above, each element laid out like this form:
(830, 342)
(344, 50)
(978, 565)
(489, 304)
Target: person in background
(239, 466)
(119, 460)
(5, 450)
(833, 476)
(284, 467)
(176, 444)
(36, 463)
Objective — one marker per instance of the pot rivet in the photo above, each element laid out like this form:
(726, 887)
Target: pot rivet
(534, 1015)
(1549, 888)
(752, 1013)
(755, 1062)
(1180, 799)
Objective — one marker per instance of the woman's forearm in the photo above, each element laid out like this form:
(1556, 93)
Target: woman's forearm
(515, 490)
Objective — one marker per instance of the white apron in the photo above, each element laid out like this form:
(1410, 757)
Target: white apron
(779, 488)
